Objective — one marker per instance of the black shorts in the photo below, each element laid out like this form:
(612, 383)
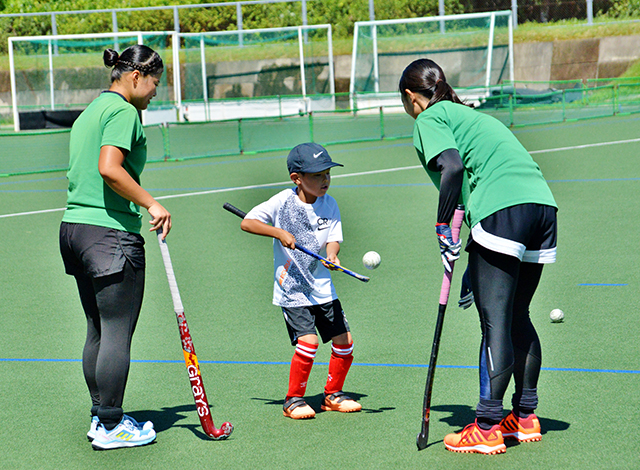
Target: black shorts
(327, 318)
(99, 251)
(528, 232)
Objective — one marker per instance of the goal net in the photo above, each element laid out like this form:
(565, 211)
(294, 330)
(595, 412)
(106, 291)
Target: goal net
(58, 76)
(256, 73)
(475, 51)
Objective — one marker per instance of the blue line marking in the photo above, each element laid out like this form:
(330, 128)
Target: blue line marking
(362, 364)
(601, 284)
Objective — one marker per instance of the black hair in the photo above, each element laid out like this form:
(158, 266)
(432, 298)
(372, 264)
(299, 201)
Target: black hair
(138, 57)
(426, 77)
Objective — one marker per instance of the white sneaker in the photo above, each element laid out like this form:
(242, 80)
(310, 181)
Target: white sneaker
(91, 434)
(144, 426)
(128, 433)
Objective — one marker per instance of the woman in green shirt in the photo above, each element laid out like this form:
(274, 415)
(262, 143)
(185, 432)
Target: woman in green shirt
(474, 159)
(100, 239)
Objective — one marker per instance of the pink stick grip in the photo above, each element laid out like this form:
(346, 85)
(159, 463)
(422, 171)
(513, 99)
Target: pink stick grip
(456, 225)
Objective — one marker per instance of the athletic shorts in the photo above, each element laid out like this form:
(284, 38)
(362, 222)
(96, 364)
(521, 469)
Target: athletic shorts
(528, 232)
(327, 318)
(99, 251)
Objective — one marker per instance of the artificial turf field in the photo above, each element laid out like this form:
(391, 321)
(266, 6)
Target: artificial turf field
(589, 387)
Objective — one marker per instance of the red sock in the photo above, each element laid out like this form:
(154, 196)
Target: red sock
(301, 364)
(341, 359)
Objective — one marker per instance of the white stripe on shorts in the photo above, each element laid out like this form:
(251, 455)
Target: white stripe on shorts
(511, 248)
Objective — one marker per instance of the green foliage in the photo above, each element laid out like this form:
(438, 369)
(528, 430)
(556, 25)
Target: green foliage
(624, 9)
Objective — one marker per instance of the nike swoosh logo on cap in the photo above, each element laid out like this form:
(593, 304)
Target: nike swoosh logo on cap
(316, 155)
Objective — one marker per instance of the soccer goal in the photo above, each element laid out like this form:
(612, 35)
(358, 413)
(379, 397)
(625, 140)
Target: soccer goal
(53, 78)
(475, 51)
(272, 72)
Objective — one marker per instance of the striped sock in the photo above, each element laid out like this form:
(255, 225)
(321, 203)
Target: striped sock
(339, 364)
(301, 364)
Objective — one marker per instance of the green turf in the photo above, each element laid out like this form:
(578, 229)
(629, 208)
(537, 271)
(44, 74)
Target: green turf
(589, 396)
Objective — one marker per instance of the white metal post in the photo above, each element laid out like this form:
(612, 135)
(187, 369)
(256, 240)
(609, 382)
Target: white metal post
(301, 52)
(54, 28)
(441, 13)
(352, 82)
(205, 92)
(492, 27)
(512, 25)
(14, 91)
(114, 27)
(177, 82)
(332, 81)
(239, 23)
(53, 106)
(176, 20)
(376, 70)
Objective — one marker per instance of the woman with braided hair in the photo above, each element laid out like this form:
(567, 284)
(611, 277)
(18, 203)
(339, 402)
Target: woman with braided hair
(474, 159)
(100, 239)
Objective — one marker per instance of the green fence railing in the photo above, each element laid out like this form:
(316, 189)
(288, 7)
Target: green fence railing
(515, 104)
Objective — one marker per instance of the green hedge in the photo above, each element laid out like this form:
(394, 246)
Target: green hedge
(341, 14)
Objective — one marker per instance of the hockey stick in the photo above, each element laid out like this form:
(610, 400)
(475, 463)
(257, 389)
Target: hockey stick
(190, 358)
(360, 277)
(456, 225)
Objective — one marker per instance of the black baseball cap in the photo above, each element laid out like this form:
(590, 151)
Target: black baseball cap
(309, 158)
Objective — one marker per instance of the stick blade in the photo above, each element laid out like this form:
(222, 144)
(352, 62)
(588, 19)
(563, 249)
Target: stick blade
(220, 434)
(421, 441)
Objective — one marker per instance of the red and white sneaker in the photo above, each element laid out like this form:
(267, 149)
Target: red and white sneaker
(522, 429)
(474, 439)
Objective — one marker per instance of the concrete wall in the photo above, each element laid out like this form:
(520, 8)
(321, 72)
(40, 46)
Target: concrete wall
(576, 59)
(543, 61)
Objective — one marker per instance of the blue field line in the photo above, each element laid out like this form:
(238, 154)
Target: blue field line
(359, 364)
(601, 284)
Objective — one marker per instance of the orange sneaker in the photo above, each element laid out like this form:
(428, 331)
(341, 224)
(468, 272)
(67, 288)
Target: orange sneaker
(339, 401)
(474, 439)
(297, 408)
(522, 429)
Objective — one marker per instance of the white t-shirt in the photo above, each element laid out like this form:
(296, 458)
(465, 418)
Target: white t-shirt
(299, 279)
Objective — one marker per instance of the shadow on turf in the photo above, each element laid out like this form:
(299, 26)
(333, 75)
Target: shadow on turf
(315, 402)
(168, 417)
(461, 415)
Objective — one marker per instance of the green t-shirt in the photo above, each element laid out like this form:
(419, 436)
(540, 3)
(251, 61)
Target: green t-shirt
(108, 120)
(499, 172)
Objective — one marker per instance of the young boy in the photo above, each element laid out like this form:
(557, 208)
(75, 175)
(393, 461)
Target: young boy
(302, 284)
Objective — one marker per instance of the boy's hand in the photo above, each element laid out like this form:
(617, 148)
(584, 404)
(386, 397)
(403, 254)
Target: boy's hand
(287, 240)
(334, 259)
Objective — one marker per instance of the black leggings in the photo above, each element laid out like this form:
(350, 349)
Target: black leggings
(503, 288)
(112, 305)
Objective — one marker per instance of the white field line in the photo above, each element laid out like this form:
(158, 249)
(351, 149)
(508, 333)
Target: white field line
(284, 183)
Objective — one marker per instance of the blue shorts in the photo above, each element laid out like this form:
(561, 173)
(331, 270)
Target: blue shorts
(528, 232)
(328, 319)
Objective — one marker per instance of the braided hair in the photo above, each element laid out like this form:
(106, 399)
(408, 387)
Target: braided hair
(426, 77)
(138, 57)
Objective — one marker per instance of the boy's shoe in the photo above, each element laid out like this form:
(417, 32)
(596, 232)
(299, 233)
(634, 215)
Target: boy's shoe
(340, 401)
(297, 408)
(522, 429)
(91, 434)
(128, 433)
(474, 439)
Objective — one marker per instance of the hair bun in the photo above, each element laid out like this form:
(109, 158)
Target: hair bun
(110, 57)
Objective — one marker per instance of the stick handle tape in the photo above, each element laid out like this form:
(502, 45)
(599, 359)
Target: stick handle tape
(171, 277)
